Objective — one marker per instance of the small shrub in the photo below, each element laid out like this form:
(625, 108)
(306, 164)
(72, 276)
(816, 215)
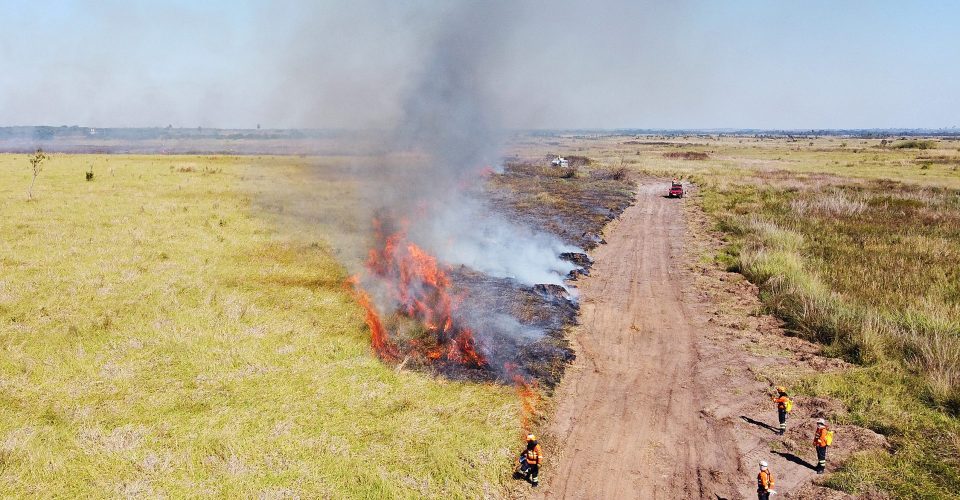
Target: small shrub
(89, 174)
(687, 155)
(567, 173)
(613, 174)
(916, 144)
(36, 166)
(579, 161)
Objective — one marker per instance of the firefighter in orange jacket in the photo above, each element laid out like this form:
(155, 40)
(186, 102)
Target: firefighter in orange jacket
(820, 443)
(530, 460)
(764, 482)
(782, 409)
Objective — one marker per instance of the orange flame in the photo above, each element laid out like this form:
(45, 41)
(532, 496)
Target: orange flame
(378, 334)
(421, 288)
(529, 398)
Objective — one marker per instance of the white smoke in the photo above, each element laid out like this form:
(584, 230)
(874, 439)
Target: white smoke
(468, 233)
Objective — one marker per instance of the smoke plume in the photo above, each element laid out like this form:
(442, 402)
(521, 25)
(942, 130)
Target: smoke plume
(426, 195)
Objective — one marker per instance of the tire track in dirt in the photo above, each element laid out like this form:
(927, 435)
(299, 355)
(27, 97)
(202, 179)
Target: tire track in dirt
(628, 421)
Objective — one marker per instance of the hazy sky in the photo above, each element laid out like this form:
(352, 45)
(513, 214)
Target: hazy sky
(551, 64)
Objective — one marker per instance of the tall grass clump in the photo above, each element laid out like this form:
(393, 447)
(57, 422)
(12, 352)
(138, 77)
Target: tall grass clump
(869, 270)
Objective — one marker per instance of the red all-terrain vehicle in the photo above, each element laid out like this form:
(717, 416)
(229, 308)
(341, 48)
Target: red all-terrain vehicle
(676, 190)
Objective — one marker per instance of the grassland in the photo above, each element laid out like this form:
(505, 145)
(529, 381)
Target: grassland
(178, 326)
(159, 337)
(855, 243)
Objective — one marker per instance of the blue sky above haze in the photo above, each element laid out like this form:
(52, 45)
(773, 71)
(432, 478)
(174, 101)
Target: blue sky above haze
(555, 64)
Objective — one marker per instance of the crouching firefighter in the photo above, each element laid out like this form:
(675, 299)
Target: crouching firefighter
(821, 440)
(784, 407)
(530, 460)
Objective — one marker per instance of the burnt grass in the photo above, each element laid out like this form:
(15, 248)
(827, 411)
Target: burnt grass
(520, 329)
(545, 309)
(573, 207)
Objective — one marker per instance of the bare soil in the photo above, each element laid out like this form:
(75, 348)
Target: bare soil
(669, 393)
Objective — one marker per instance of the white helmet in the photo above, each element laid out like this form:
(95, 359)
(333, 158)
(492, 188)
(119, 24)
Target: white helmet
(763, 464)
(821, 421)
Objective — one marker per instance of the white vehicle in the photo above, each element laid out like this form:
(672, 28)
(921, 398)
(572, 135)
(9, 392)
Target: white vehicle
(560, 162)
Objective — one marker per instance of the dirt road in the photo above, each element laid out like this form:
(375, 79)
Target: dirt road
(628, 414)
(669, 395)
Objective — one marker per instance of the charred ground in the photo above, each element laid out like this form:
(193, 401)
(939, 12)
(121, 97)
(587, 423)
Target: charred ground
(574, 202)
(526, 336)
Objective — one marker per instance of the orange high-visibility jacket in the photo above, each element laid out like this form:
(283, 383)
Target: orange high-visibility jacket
(820, 438)
(534, 456)
(781, 402)
(765, 480)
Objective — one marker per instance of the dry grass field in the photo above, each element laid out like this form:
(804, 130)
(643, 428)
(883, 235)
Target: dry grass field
(178, 325)
(159, 337)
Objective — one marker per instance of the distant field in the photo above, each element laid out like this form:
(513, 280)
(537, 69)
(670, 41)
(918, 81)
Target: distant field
(160, 336)
(855, 244)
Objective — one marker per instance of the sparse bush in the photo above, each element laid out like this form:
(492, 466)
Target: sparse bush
(614, 174)
(579, 161)
(687, 155)
(36, 166)
(89, 173)
(916, 144)
(618, 174)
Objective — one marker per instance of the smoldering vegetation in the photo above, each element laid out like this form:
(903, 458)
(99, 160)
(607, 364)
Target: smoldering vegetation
(572, 204)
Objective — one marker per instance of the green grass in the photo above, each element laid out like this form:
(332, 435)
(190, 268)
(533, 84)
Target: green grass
(159, 337)
(882, 397)
(868, 269)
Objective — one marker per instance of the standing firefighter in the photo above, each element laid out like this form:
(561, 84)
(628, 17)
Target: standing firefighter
(822, 439)
(784, 406)
(530, 460)
(764, 482)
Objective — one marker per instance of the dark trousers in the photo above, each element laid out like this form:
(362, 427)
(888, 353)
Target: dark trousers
(763, 495)
(531, 470)
(821, 457)
(782, 415)
(534, 473)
